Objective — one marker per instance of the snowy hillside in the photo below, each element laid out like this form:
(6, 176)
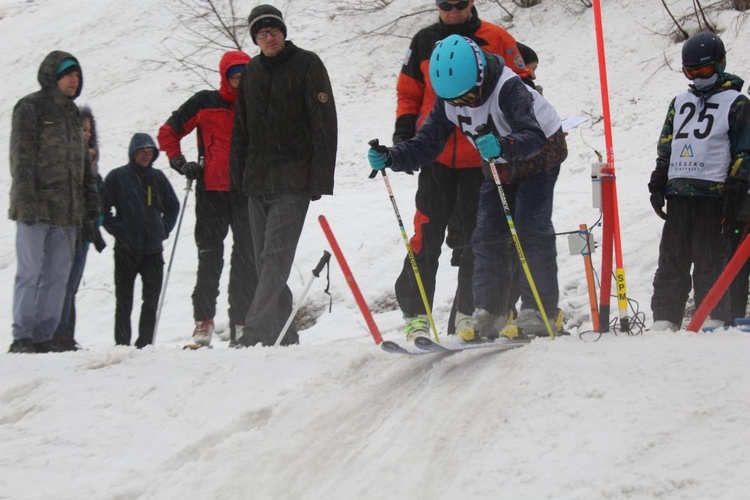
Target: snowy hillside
(653, 416)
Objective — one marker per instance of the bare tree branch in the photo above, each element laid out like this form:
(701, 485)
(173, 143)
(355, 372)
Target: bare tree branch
(679, 27)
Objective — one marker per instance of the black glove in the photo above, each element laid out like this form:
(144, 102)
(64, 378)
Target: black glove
(657, 186)
(658, 202)
(406, 126)
(90, 228)
(315, 196)
(177, 162)
(99, 242)
(734, 192)
(190, 169)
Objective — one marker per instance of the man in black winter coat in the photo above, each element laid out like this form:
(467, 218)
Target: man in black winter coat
(146, 210)
(283, 154)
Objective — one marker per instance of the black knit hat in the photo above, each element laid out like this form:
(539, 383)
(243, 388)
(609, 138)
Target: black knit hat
(265, 16)
(528, 54)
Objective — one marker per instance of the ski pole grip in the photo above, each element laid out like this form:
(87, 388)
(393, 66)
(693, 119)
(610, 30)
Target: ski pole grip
(374, 144)
(323, 261)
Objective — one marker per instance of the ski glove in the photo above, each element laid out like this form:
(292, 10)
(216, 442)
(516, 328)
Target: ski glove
(734, 192)
(658, 202)
(192, 170)
(90, 230)
(488, 146)
(380, 157)
(657, 186)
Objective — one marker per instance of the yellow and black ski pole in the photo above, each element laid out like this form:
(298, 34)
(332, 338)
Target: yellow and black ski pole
(374, 144)
(482, 130)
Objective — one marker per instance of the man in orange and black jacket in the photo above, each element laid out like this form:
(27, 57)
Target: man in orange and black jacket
(455, 174)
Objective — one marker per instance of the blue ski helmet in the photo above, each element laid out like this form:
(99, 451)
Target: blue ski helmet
(456, 66)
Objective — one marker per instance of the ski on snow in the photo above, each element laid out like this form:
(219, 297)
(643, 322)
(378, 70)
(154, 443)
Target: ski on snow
(502, 344)
(423, 345)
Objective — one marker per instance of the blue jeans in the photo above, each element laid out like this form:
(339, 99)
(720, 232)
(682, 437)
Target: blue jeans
(495, 256)
(45, 255)
(66, 328)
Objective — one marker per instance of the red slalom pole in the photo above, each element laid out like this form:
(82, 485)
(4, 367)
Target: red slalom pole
(364, 309)
(720, 287)
(611, 219)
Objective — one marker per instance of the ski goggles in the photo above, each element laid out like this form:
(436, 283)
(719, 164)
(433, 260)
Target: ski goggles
(704, 71)
(447, 7)
(466, 99)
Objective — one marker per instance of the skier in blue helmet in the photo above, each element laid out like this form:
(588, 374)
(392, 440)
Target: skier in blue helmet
(525, 141)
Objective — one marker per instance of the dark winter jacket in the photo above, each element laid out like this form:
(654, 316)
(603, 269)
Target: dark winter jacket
(90, 230)
(415, 94)
(146, 207)
(285, 129)
(739, 140)
(526, 148)
(52, 181)
(212, 112)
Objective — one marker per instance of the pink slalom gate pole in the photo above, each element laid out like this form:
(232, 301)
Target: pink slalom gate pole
(364, 309)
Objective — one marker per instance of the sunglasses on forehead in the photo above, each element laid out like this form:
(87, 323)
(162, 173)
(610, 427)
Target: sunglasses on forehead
(450, 6)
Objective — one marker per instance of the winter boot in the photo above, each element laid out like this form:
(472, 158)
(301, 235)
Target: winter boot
(203, 332)
(50, 345)
(664, 325)
(462, 322)
(483, 325)
(711, 324)
(235, 332)
(416, 326)
(22, 346)
(244, 338)
(531, 323)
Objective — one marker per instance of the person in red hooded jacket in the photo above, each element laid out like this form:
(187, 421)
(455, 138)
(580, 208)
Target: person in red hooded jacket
(220, 202)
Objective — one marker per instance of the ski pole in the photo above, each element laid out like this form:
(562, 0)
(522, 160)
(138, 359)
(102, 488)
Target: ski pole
(188, 188)
(374, 144)
(315, 273)
(482, 130)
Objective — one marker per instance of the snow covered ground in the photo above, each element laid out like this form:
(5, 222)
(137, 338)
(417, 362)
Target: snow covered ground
(661, 415)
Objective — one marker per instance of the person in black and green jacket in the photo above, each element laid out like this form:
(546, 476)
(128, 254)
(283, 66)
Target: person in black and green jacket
(702, 175)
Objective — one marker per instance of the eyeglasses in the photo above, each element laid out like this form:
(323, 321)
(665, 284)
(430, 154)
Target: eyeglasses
(447, 7)
(464, 100)
(261, 35)
(704, 71)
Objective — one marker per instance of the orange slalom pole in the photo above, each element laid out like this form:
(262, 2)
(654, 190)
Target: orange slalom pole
(590, 277)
